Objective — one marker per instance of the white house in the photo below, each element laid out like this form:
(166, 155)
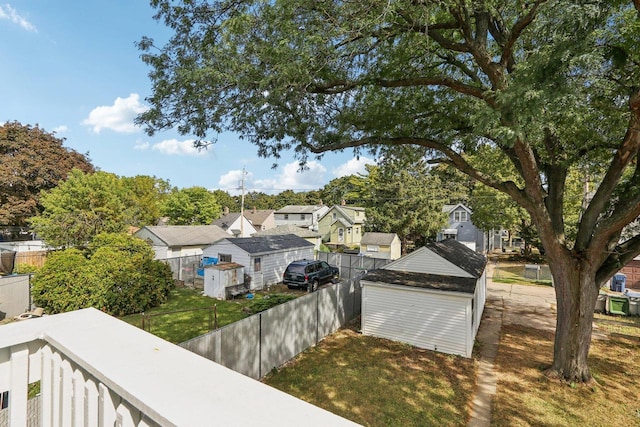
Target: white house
(235, 224)
(306, 216)
(172, 241)
(265, 258)
(432, 298)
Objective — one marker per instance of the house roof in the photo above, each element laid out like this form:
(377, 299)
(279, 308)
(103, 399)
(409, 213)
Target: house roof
(258, 217)
(187, 235)
(303, 232)
(225, 221)
(451, 208)
(422, 280)
(370, 238)
(260, 244)
(346, 217)
(299, 209)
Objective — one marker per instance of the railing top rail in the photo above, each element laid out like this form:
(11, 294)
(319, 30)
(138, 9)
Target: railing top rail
(168, 383)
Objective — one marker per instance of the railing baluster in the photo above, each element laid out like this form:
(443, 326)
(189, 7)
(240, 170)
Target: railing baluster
(19, 385)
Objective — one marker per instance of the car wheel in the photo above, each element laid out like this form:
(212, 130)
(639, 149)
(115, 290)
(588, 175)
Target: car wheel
(313, 286)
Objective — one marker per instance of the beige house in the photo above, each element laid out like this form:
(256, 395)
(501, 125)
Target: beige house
(381, 245)
(261, 219)
(173, 241)
(342, 225)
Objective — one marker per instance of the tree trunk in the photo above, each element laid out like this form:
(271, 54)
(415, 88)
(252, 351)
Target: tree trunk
(576, 294)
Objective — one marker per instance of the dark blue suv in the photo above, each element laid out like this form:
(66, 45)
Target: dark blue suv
(309, 274)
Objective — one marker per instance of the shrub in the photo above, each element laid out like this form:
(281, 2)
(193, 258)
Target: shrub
(256, 306)
(116, 275)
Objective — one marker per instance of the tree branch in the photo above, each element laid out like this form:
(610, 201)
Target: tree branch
(516, 31)
(618, 258)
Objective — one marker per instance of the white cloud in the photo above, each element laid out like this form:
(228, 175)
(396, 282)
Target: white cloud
(175, 147)
(61, 129)
(141, 145)
(289, 178)
(8, 12)
(117, 117)
(353, 167)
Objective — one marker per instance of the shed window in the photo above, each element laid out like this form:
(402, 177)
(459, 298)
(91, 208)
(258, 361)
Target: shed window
(286, 216)
(257, 264)
(302, 217)
(373, 248)
(224, 257)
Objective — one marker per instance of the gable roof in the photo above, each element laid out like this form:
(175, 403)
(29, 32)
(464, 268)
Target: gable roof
(225, 221)
(370, 238)
(261, 244)
(345, 215)
(460, 255)
(465, 285)
(258, 217)
(288, 229)
(187, 235)
(451, 208)
(299, 209)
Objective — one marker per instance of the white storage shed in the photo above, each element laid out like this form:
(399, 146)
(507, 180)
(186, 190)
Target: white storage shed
(432, 298)
(219, 277)
(265, 258)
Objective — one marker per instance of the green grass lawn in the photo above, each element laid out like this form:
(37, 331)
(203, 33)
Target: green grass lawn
(515, 274)
(188, 313)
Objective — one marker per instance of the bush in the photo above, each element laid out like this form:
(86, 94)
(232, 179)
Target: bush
(117, 275)
(256, 306)
(25, 269)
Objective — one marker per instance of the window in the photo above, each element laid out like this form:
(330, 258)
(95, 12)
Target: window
(335, 216)
(224, 257)
(302, 217)
(286, 216)
(373, 248)
(257, 264)
(460, 216)
(340, 235)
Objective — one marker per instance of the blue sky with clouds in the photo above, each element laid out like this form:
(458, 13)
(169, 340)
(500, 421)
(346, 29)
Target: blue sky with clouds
(72, 68)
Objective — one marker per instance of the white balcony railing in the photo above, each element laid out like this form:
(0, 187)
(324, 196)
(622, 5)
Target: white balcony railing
(95, 370)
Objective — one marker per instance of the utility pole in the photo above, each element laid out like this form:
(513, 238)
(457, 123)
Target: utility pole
(242, 203)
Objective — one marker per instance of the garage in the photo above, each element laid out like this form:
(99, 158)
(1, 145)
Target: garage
(432, 298)
(632, 271)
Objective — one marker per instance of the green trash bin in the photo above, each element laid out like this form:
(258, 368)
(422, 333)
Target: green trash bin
(619, 305)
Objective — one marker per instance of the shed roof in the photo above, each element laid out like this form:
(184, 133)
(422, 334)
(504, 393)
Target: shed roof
(187, 235)
(421, 280)
(460, 255)
(288, 229)
(224, 266)
(370, 238)
(260, 244)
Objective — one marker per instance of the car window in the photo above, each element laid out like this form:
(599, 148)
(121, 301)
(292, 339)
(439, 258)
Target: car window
(296, 269)
(324, 264)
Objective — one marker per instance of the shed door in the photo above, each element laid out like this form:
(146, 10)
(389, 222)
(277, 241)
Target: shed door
(430, 320)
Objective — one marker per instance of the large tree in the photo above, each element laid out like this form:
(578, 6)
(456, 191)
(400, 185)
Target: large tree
(552, 84)
(31, 160)
(191, 206)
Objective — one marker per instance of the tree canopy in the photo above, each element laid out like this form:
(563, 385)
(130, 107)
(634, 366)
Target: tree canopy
(552, 85)
(191, 206)
(31, 160)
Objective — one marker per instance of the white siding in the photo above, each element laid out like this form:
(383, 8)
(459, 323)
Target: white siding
(427, 319)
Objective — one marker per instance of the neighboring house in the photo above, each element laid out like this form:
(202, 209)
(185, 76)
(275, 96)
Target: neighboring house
(306, 216)
(432, 298)
(461, 228)
(235, 224)
(381, 245)
(307, 234)
(172, 241)
(261, 219)
(265, 258)
(342, 225)
(632, 273)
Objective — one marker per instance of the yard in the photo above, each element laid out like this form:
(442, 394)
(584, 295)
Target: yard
(188, 313)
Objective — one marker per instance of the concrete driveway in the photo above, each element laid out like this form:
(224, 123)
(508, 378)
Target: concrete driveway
(533, 306)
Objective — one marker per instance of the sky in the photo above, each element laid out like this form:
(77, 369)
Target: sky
(72, 67)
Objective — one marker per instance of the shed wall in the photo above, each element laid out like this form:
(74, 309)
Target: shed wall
(427, 319)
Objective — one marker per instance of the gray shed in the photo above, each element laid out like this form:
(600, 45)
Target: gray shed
(432, 298)
(265, 257)
(219, 277)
